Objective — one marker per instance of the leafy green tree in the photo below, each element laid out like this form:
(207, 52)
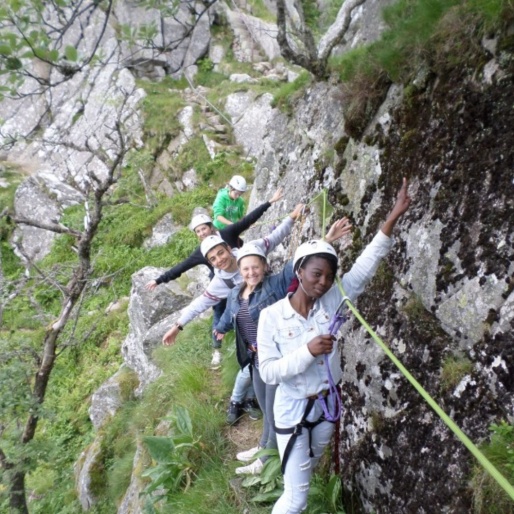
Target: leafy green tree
(45, 352)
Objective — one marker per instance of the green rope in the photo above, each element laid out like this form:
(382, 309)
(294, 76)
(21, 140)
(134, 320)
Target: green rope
(482, 459)
(323, 225)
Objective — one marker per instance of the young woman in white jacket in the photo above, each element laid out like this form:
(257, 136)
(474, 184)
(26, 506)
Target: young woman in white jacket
(297, 352)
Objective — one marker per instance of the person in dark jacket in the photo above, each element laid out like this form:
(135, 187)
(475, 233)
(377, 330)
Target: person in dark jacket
(245, 303)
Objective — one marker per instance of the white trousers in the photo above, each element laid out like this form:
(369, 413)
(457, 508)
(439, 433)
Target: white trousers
(300, 466)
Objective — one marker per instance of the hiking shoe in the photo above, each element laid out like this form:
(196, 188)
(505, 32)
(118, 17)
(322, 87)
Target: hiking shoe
(254, 468)
(235, 412)
(248, 455)
(251, 407)
(216, 359)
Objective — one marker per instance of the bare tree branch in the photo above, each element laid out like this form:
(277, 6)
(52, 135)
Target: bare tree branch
(296, 40)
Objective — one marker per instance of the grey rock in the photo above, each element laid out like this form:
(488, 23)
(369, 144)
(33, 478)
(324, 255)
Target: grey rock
(463, 314)
(252, 37)
(82, 470)
(163, 231)
(216, 53)
(32, 201)
(132, 502)
(151, 314)
(105, 401)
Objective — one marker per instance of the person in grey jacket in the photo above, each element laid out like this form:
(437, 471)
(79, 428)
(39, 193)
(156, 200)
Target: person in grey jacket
(244, 306)
(297, 352)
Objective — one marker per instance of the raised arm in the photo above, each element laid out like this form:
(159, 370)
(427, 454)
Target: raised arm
(216, 291)
(367, 263)
(403, 201)
(271, 241)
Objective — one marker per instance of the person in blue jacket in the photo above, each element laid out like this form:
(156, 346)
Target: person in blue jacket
(245, 303)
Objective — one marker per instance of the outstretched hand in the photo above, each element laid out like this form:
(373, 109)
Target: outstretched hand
(340, 228)
(403, 201)
(297, 212)
(151, 285)
(169, 337)
(277, 195)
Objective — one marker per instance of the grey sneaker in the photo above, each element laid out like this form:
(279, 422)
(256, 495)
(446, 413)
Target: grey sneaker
(235, 411)
(251, 407)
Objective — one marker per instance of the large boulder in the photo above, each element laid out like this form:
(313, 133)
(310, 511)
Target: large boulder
(151, 314)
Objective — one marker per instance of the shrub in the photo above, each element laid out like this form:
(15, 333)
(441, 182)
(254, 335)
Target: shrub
(453, 371)
(488, 496)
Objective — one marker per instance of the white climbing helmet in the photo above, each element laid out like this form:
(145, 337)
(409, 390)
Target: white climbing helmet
(250, 249)
(199, 219)
(209, 243)
(312, 247)
(238, 183)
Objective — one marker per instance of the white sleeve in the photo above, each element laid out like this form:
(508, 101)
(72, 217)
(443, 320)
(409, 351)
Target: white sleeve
(216, 291)
(274, 367)
(270, 242)
(366, 265)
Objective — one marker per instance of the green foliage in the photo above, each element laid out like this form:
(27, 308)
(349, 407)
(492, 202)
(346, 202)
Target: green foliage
(270, 483)
(25, 36)
(311, 14)
(161, 107)
(453, 371)
(172, 455)
(325, 496)
(284, 97)
(223, 166)
(488, 496)
(259, 9)
(416, 30)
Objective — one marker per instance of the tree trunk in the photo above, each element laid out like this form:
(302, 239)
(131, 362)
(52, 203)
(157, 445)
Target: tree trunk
(17, 499)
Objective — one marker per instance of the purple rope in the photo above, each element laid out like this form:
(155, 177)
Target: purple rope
(336, 322)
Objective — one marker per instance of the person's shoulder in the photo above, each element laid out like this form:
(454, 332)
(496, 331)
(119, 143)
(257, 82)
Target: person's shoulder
(275, 309)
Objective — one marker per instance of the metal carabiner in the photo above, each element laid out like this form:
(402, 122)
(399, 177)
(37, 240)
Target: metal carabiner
(341, 305)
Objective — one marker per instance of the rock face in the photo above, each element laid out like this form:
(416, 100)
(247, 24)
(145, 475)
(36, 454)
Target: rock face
(445, 291)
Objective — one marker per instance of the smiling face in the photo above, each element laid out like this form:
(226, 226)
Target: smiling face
(204, 230)
(317, 276)
(252, 269)
(221, 257)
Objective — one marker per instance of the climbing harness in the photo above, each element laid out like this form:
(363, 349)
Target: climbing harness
(297, 430)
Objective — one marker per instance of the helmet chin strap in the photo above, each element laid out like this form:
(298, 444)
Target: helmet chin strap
(303, 288)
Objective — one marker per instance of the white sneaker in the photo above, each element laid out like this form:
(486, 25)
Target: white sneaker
(248, 455)
(254, 468)
(216, 359)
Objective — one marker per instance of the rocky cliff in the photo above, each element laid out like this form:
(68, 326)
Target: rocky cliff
(445, 293)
